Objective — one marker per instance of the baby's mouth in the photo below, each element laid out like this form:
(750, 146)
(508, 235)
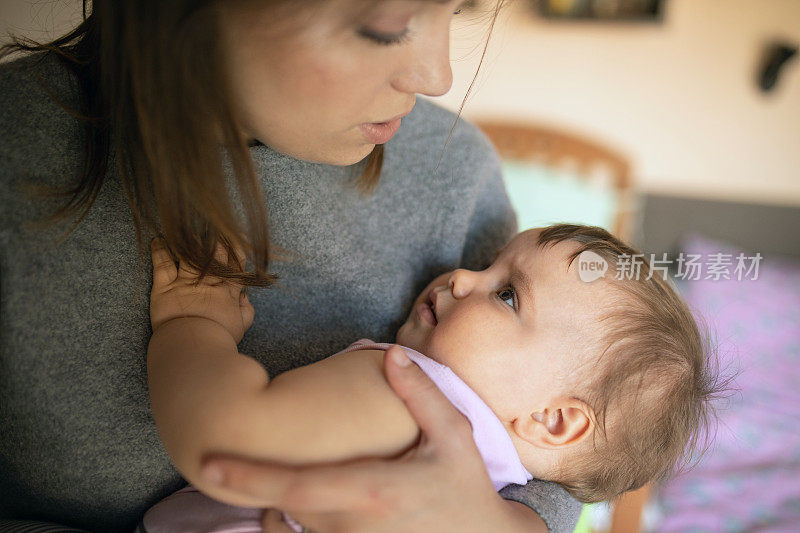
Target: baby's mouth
(432, 306)
(425, 311)
(433, 312)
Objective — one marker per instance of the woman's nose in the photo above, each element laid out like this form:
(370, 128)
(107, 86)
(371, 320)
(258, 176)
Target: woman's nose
(428, 71)
(462, 282)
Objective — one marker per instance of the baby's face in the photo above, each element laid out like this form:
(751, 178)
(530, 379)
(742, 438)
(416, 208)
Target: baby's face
(515, 332)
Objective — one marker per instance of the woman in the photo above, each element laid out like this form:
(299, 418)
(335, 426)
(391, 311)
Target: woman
(302, 98)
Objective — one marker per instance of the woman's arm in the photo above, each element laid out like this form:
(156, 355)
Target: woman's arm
(205, 396)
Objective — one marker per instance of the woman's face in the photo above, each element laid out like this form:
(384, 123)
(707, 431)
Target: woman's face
(312, 79)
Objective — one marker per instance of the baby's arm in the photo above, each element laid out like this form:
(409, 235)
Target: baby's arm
(205, 396)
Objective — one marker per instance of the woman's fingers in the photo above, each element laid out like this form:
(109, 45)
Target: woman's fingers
(439, 421)
(164, 269)
(272, 522)
(310, 490)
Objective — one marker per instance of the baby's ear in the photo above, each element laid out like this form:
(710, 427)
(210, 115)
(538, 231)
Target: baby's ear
(565, 422)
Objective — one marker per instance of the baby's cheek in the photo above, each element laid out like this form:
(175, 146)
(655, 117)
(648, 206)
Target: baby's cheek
(450, 343)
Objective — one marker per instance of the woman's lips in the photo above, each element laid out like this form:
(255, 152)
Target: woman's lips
(425, 313)
(380, 132)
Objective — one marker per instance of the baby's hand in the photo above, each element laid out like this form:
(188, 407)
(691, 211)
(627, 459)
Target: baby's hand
(175, 294)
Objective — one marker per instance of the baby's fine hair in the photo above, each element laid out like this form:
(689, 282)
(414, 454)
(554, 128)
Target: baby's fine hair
(651, 385)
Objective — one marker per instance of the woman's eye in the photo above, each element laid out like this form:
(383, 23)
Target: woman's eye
(384, 38)
(508, 295)
(388, 38)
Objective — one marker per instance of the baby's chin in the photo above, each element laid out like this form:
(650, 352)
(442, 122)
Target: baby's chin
(405, 337)
(401, 337)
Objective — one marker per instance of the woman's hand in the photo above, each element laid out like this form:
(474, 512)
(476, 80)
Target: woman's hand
(439, 485)
(176, 293)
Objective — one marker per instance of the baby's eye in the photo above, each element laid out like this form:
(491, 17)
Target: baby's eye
(508, 295)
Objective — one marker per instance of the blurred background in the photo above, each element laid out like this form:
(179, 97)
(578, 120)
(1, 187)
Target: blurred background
(675, 124)
(678, 94)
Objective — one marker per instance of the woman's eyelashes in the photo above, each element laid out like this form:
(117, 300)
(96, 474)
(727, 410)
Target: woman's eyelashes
(387, 39)
(508, 295)
(384, 38)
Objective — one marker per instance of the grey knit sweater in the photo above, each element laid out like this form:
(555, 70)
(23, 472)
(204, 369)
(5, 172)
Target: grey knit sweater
(78, 445)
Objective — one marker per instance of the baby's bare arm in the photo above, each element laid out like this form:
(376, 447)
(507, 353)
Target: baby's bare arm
(206, 397)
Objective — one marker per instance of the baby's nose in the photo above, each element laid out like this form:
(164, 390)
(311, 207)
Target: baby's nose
(461, 282)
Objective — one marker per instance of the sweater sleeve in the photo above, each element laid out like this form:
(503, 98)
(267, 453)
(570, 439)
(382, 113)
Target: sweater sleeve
(551, 501)
(491, 226)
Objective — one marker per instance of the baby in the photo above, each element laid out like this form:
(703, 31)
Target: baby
(597, 385)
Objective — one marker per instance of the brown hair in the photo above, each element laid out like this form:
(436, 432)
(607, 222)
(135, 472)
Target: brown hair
(149, 71)
(652, 388)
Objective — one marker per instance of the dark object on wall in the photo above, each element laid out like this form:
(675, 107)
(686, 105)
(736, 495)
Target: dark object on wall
(775, 57)
(602, 10)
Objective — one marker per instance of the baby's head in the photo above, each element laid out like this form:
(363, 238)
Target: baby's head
(601, 385)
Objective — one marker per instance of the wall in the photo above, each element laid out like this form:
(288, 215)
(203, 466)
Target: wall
(38, 19)
(678, 97)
